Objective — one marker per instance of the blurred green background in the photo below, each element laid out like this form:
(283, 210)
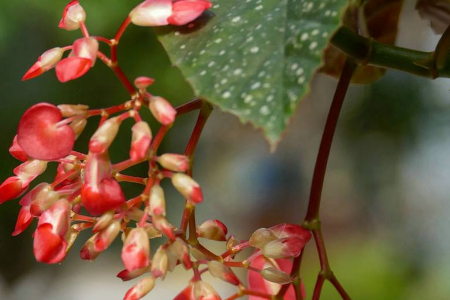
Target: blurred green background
(385, 201)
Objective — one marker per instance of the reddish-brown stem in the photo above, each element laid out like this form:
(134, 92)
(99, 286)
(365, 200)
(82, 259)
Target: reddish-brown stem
(104, 40)
(203, 116)
(111, 110)
(122, 29)
(127, 178)
(235, 264)
(159, 137)
(105, 59)
(84, 29)
(327, 140)
(312, 221)
(122, 77)
(234, 296)
(189, 106)
(126, 164)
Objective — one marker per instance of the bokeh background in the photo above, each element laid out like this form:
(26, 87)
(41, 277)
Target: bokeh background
(385, 201)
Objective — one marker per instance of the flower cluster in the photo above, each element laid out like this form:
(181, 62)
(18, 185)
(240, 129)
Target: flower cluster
(86, 193)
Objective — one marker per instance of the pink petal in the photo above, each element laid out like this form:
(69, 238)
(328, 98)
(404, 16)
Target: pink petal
(184, 12)
(40, 136)
(48, 247)
(11, 188)
(72, 68)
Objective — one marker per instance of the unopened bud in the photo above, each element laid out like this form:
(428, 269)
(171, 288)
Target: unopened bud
(103, 221)
(143, 82)
(70, 110)
(86, 47)
(136, 250)
(104, 136)
(160, 263)
(181, 251)
(213, 230)
(231, 242)
(73, 15)
(284, 248)
(157, 204)
(78, 126)
(152, 232)
(163, 226)
(275, 275)
(162, 110)
(107, 236)
(151, 13)
(187, 187)
(43, 196)
(44, 63)
(88, 252)
(30, 170)
(261, 237)
(217, 269)
(140, 140)
(285, 230)
(174, 162)
(140, 289)
(204, 291)
(126, 275)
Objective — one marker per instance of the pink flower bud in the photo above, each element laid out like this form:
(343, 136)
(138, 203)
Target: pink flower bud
(103, 221)
(204, 291)
(140, 141)
(162, 110)
(163, 226)
(140, 289)
(42, 197)
(44, 63)
(29, 170)
(100, 193)
(136, 250)
(143, 82)
(151, 13)
(17, 152)
(217, 269)
(186, 294)
(213, 230)
(78, 126)
(180, 250)
(261, 237)
(105, 237)
(70, 110)
(73, 15)
(104, 136)
(284, 248)
(49, 243)
(11, 188)
(86, 47)
(71, 68)
(281, 231)
(157, 204)
(275, 275)
(25, 218)
(105, 196)
(160, 263)
(186, 11)
(88, 252)
(40, 135)
(187, 187)
(174, 162)
(126, 275)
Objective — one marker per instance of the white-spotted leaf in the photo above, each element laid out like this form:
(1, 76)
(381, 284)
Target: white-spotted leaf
(254, 58)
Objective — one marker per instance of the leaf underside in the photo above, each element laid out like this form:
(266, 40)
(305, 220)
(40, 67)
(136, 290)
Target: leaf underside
(254, 58)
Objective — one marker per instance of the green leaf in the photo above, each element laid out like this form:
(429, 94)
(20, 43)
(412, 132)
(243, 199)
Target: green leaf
(254, 58)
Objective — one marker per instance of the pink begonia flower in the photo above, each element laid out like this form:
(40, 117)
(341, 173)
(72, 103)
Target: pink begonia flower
(257, 283)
